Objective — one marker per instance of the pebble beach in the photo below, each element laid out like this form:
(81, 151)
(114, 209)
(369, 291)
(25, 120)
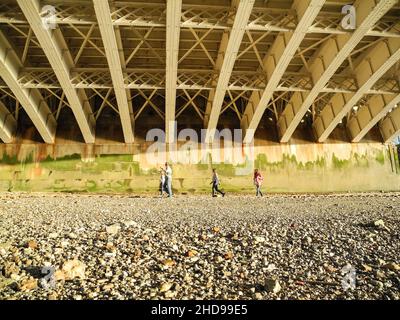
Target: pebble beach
(78, 246)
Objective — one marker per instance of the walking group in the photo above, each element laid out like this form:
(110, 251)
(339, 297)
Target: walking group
(166, 182)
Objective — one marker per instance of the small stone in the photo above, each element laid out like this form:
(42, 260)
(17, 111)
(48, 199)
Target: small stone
(15, 276)
(227, 273)
(216, 229)
(259, 239)
(74, 269)
(166, 286)
(102, 236)
(146, 237)
(170, 294)
(5, 246)
(391, 266)
(228, 255)
(53, 235)
(28, 285)
(113, 229)
(379, 284)
(191, 253)
(72, 235)
(64, 243)
(271, 267)
(52, 296)
(187, 278)
(380, 274)
(380, 224)
(10, 268)
(272, 285)
(129, 223)
(110, 247)
(108, 287)
(32, 244)
(203, 237)
(381, 262)
(329, 268)
(4, 282)
(59, 275)
(366, 268)
(235, 236)
(78, 297)
(169, 262)
(258, 296)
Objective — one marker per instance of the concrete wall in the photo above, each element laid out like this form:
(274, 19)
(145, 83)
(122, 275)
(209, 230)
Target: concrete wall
(303, 167)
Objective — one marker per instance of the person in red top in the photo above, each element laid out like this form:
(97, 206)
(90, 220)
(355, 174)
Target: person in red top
(258, 180)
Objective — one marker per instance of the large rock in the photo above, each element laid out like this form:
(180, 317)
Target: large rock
(272, 285)
(28, 285)
(32, 244)
(129, 223)
(166, 287)
(113, 229)
(380, 224)
(5, 282)
(9, 269)
(391, 266)
(74, 269)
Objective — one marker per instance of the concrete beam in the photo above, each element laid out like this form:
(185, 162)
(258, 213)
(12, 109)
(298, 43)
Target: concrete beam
(56, 50)
(8, 125)
(218, 65)
(113, 54)
(276, 62)
(243, 12)
(328, 59)
(377, 62)
(30, 99)
(370, 114)
(174, 12)
(390, 126)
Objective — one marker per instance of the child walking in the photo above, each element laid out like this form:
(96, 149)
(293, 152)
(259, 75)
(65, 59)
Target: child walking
(258, 180)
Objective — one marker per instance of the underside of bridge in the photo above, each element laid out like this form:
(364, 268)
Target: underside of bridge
(102, 70)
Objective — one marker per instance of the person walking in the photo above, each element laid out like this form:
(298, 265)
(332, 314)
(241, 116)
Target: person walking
(258, 180)
(168, 179)
(215, 183)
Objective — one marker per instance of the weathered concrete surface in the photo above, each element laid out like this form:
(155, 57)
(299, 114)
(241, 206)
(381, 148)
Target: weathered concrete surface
(311, 167)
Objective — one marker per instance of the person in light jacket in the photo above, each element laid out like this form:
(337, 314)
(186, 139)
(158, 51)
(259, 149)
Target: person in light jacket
(162, 183)
(168, 179)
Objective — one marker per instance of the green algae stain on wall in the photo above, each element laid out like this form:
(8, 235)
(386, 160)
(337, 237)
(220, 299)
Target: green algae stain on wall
(288, 161)
(380, 157)
(120, 173)
(9, 160)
